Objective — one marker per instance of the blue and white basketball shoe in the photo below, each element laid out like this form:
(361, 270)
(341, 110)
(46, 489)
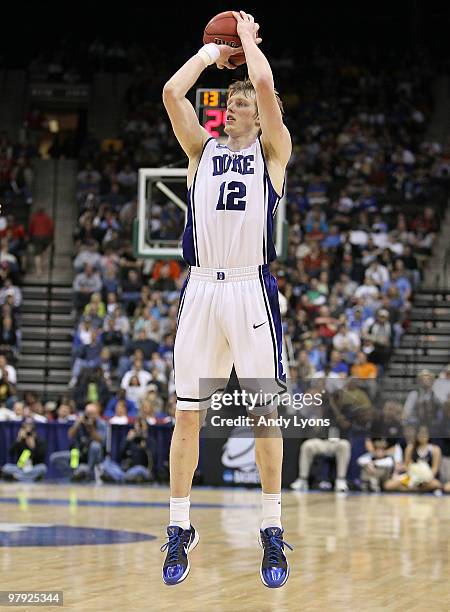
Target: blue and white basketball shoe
(274, 570)
(176, 566)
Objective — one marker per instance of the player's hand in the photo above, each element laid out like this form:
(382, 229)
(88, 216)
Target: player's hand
(225, 53)
(246, 26)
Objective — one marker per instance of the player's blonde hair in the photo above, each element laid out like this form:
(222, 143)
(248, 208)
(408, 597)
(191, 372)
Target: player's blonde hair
(246, 88)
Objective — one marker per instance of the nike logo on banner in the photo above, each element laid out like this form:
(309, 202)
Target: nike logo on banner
(256, 326)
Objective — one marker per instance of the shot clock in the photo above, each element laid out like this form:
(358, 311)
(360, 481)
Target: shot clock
(210, 105)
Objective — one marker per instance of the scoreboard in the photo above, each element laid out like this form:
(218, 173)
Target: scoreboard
(210, 105)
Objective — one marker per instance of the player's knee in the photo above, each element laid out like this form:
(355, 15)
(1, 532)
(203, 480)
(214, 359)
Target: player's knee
(188, 420)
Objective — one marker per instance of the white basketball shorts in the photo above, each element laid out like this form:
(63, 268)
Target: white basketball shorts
(227, 317)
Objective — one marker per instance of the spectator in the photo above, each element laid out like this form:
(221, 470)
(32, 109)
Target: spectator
(88, 356)
(377, 464)
(64, 413)
(41, 235)
(28, 453)
(363, 368)
(11, 370)
(120, 395)
(422, 463)
(8, 337)
(134, 389)
(135, 457)
(9, 289)
(422, 404)
(323, 441)
(91, 388)
(120, 416)
(87, 255)
(441, 386)
(88, 435)
(378, 332)
(84, 285)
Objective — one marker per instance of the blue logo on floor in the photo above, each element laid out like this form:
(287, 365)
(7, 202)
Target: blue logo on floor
(44, 534)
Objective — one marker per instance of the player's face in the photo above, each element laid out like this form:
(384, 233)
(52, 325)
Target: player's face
(241, 115)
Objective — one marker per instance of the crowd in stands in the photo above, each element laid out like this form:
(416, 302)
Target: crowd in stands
(16, 234)
(365, 195)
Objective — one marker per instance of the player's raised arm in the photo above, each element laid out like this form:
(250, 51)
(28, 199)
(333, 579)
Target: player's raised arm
(188, 131)
(275, 135)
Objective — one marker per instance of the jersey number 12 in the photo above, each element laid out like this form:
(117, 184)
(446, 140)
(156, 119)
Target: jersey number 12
(236, 192)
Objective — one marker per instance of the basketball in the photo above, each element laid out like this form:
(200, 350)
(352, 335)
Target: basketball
(222, 30)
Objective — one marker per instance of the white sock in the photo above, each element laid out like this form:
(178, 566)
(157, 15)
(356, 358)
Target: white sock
(271, 510)
(179, 512)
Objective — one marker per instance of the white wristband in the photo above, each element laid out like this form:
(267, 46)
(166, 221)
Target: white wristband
(209, 53)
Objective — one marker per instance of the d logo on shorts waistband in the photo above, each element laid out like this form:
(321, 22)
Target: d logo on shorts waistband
(220, 275)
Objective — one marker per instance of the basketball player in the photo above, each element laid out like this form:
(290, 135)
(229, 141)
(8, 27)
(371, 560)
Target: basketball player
(228, 309)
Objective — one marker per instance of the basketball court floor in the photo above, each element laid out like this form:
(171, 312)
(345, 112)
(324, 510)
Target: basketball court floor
(100, 546)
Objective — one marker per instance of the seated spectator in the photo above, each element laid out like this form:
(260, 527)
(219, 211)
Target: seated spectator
(151, 408)
(111, 302)
(317, 355)
(41, 235)
(87, 255)
(377, 273)
(7, 389)
(143, 343)
(10, 289)
(134, 388)
(84, 285)
(422, 464)
(8, 261)
(91, 387)
(135, 457)
(22, 179)
(17, 240)
(338, 365)
(347, 342)
(114, 341)
(131, 290)
(165, 281)
(88, 356)
(64, 413)
(37, 411)
(323, 441)
(4, 365)
(441, 386)
(377, 464)
(379, 332)
(28, 452)
(120, 416)
(106, 364)
(96, 301)
(121, 322)
(325, 324)
(422, 404)
(120, 395)
(88, 180)
(88, 435)
(20, 412)
(6, 414)
(363, 368)
(8, 337)
(110, 283)
(127, 179)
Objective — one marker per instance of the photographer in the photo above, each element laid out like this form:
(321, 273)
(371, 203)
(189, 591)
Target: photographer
(29, 456)
(136, 459)
(88, 436)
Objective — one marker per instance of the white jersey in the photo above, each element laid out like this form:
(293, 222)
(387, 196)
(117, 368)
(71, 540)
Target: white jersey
(231, 206)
